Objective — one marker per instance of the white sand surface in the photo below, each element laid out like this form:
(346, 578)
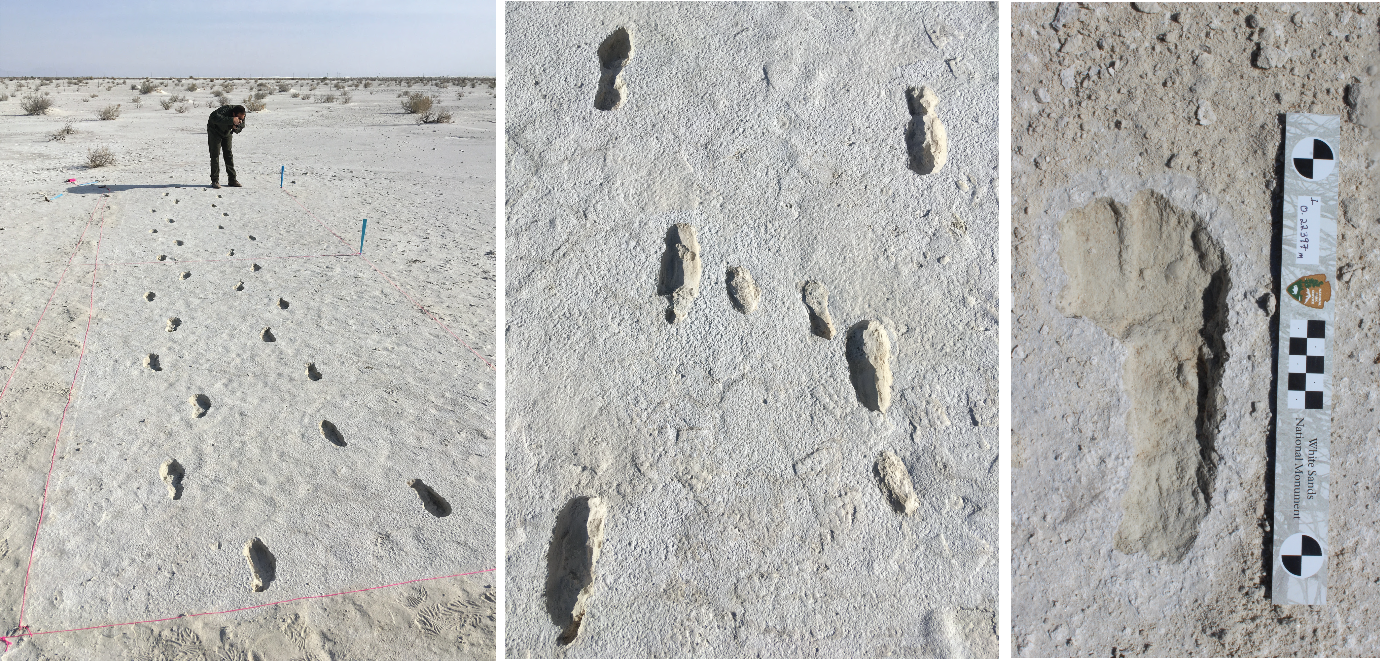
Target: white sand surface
(734, 457)
(402, 340)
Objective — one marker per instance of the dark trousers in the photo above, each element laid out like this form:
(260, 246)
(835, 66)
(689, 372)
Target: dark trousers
(218, 144)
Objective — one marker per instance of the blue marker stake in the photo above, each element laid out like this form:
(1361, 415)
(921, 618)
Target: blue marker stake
(362, 227)
(280, 176)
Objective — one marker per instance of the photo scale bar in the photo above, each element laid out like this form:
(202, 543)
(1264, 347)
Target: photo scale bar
(1303, 404)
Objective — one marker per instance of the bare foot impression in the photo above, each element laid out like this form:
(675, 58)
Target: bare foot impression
(614, 54)
(433, 502)
(332, 434)
(162, 258)
(267, 335)
(239, 286)
(926, 140)
(173, 323)
(896, 483)
(151, 362)
(200, 405)
(816, 297)
(869, 364)
(254, 267)
(282, 304)
(312, 372)
(1152, 277)
(171, 472)
(148, 296)
(680, 270)
(263, 567)
(574, 549)
(742, 290)
(185, 275)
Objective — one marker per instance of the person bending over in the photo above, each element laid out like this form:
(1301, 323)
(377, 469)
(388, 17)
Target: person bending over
(220, 127)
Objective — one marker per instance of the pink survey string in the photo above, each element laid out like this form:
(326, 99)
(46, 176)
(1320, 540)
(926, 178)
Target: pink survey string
(30, 634)
(63, 275)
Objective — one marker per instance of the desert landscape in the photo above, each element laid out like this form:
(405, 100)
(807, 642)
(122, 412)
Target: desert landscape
(751, 330)
(214, 402)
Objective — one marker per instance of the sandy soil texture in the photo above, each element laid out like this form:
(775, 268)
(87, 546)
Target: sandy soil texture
(244, 376)
(730, 293)
(1140, 512)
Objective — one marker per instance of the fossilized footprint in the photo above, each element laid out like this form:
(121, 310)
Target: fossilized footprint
(681, 268)
(613, 54)
(926, 140)
(1152, 277)
(575, 545)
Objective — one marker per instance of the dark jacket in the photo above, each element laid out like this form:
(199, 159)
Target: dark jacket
(221, 122)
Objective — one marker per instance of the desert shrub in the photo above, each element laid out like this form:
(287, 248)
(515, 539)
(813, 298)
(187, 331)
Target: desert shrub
(133, 86)
(459, 95)
(283, 87)
(219, 94)
(339, 85)
(368, 84)
(253, 103)
(312, 88)
(191, 87)
(260, 95)
(137, 101)
(109, 112)
(148, 87)
(329, 98)
(296, 94)
(437, 116)
(34, 104)
(93, 95)
(345, 98)
(221, 101)
(417, 102)
(62, 133)
(99, 157)
(182, 107)
(4, 96)
(167, 103)
(228, 87)
(442, 85)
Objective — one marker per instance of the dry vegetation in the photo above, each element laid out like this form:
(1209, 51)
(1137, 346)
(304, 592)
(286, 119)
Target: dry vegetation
(99, 157)
(109, 112)
(36, 104)
(62, 133)
(416, 102)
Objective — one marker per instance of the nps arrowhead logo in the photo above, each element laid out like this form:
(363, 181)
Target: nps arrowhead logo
(1311, 290)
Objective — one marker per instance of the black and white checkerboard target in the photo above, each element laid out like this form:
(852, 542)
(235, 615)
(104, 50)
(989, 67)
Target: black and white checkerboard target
(1301, 555)
(1307, 344)
(1313, 158)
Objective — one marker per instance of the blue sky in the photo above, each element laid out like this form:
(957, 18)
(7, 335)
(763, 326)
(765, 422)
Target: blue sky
(260, 38)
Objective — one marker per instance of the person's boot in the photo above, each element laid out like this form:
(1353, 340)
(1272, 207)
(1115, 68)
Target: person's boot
(234, 184)
(215, 184)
